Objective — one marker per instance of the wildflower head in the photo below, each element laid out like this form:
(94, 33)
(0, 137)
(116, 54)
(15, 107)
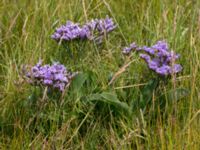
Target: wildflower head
(68, 32)
(55, 75)
(160, 58)
(92, 30)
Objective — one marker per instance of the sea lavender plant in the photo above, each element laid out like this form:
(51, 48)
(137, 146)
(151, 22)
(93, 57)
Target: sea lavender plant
(55, 75)
(92, 30)
(160, 58)
(69, 32)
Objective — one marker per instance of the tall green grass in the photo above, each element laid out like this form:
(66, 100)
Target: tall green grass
(30, 118)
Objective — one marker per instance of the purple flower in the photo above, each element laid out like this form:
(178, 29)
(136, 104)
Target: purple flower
(149, 50)
(163, 70)
(146, 57)
(92, 30)
(160, 59)
(105, 25)
(176, 68)
(56, 75)
(127, 50)
(153, 65)
(47, 82)
(161, 45)
(68, 32)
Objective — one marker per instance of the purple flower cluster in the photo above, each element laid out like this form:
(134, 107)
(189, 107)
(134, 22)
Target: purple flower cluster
(69, 32)
(93, 30)
(127, 50)
(55, 75)
(160, 58)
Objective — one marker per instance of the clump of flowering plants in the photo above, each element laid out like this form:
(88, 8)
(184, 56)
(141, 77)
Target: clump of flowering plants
(158, 57)
(163, 62)
(54, 76)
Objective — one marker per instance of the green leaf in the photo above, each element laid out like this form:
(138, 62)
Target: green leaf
(94, 97)
(147, 93)
(78, 81)
(150, 87)
(109, 98)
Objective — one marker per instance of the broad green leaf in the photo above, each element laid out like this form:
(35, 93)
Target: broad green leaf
(109, 98)
(94, 97)
(112, 99)
(78, 81)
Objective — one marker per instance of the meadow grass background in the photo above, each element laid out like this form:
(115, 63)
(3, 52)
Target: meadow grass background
(31, 119)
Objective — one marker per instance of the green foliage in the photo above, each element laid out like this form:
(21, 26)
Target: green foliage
(147, 93)
(78, 82)
(110, 98)
(138, 111)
